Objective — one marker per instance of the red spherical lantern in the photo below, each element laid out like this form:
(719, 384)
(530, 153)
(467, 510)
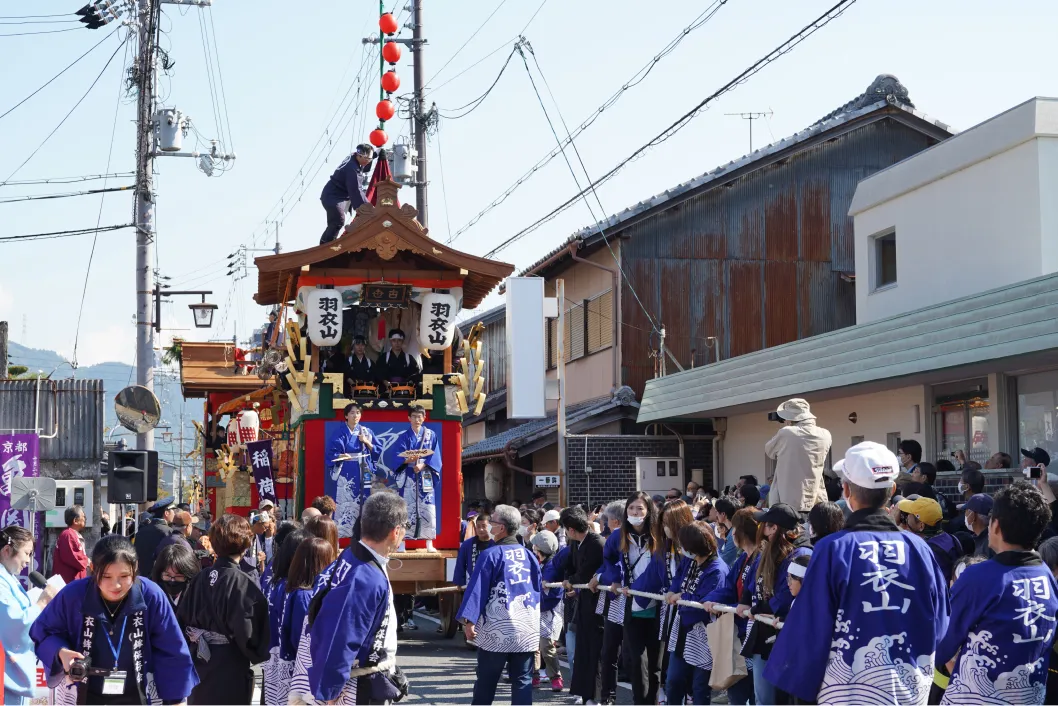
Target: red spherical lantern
(378, 138)
(390, 81)
(391, 52)
(387, 23)
(385, 110)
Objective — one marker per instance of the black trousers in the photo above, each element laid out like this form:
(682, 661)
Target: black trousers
(612, 637)
(335, 220)
(586, 655)
(642, 654)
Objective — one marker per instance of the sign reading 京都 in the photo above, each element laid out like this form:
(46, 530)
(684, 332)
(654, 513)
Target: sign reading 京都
(260, 454)
(324, 312)
(547, 482)
(19, 456)
(437, 323)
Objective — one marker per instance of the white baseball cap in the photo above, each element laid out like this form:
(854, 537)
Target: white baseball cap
(551, 516)
(869, 465)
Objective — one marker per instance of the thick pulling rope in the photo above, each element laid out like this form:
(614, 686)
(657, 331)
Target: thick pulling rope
(442, 589)
(766, 619)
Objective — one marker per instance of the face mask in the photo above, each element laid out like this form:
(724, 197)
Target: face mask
(636, 521)
(173, 588)
(686, 554)
(488, 528)
(668, 533)
(963, 487)
(523, 531)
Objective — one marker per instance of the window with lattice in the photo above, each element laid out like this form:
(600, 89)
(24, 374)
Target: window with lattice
(600, 322)
(575, 332)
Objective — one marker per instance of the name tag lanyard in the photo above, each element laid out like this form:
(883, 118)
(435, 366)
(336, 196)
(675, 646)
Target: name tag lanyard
(116, 650)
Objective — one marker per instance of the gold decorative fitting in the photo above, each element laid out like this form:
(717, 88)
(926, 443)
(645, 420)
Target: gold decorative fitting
(387, 201)
(386, 245)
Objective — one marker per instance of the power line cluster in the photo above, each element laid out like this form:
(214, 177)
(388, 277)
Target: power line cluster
(63, 233)
(823, 20)
(632, 82)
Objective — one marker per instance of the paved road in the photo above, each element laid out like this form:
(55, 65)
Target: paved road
(442, 671)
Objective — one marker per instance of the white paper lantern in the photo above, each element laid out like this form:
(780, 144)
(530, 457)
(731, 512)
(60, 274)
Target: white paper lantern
(249, 426)
(437, 323)
(324, 312)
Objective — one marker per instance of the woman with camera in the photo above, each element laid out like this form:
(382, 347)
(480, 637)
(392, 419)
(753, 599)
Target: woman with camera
(19, 612)
(104, 637)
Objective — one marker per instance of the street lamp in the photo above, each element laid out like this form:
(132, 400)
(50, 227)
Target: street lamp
(203, 313)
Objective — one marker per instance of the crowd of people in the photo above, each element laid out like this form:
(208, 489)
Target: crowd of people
(882, 591)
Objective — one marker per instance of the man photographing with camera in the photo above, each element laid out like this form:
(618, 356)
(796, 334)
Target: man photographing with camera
(800, 450)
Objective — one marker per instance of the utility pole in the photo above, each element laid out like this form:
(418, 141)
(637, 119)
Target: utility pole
(751, 117)
(3, 350)
(147, 27)
(419, 116)
(560, 376)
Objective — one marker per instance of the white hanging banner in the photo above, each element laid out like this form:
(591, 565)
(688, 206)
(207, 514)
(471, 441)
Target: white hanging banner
(323, 308)
(437, 322)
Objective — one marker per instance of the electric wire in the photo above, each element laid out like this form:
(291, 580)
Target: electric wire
(66, 117)
(67, 180)
(30, 17)
(468, 40)
(48, 31)
(637, 78)
(474, 104)
(444, 192)
(47, 197)
(99, 213)
(573, 173)
(63, 233)
(831, 14)
(220, 77)
(219, 125)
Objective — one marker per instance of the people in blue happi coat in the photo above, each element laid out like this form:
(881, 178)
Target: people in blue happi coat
(17, 613)
(276, 671)
(631, 622)
(419, 474)
(353, 633)
(690, 658)
(470, 550)
(119, 630)
(1004, 610)
(501, 611)
(742, 573)
(545, 547)
(873, 605)
(352, 457)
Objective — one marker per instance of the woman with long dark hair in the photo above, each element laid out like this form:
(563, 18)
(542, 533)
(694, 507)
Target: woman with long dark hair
(106, 637)
(225, 616)
(781, 540)
(324, 528)
(631, 622)
(275, 672)
(310, 558)
(18, 613)
(824, 519)
(173, 570)
(690, 659)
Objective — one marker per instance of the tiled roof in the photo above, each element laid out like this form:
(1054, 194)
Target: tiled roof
(885, 91)
(531, 431)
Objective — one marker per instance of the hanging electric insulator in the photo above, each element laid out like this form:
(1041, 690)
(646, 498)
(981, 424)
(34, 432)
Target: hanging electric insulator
(390, 81)
(378, 138)
(391, 52)
(385, 110)
(387, 23)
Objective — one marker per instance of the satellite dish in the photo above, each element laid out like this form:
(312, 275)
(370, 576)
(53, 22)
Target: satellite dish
(138, 409)
(33, 494)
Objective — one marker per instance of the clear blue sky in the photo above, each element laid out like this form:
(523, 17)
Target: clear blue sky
(283, 64)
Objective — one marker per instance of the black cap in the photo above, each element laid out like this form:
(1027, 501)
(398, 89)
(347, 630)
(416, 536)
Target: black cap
(779, 514)
(1038, 455)
(161, 506)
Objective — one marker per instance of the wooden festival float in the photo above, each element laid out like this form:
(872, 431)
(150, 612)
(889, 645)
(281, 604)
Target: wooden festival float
(383, 272)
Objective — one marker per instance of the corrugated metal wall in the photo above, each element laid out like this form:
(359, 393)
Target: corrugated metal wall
(755, 262)
(74, 406)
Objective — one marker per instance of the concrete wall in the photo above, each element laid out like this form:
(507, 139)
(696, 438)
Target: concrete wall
(590, 376)
(971, 231)
(877, 415)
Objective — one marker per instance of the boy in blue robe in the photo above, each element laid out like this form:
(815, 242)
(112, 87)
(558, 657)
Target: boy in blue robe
(353, 636)
(501, 611)
(471, 549)
(418, 476)
(1003, 611)
(354, 476)
(873, 605)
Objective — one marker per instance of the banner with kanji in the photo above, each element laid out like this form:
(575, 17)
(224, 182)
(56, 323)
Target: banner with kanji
(19, 457)
(260, 454)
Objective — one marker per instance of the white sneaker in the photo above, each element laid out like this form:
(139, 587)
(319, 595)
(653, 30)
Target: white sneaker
(410, 625)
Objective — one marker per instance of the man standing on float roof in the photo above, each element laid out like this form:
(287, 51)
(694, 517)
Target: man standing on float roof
(418, 475)
(352, 455)
(344, 193)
